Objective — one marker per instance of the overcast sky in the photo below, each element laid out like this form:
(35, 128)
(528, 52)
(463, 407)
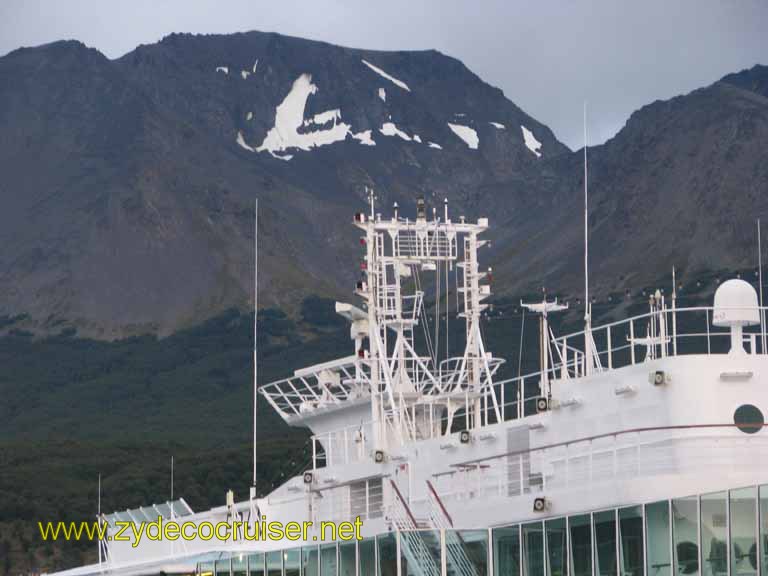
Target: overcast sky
(548, 57)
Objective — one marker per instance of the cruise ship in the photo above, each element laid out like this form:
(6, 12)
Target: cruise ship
(637, 447)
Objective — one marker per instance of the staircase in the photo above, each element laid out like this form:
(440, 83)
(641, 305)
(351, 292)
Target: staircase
(420, 560)
(420, 537)
(457, 558)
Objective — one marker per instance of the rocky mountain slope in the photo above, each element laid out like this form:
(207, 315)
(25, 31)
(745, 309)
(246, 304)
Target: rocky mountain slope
(128, 186)
(682, 185)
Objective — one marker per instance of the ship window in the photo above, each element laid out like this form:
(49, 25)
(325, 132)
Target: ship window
(222, 567)
(366, 498)
(631, 540)
(309, 562)
(605, 543)
(292, 560)
(366, 550)
(207, 569)
(239, 565)
(556, 549)
(387, 555)
(714, 534)
(764, 527)
(420, 552)
(743, 539)
(274, 563)
(533, 549)
(347, 558)
(474, 543)
(256, 565)
(748, 418)
(506, 551)
(685, 532)
(658, 562)
(328, 560)
(581, 545)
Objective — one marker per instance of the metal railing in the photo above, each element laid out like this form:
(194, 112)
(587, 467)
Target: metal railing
(630, 454)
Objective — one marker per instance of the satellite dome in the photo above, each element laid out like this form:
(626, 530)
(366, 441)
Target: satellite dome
(735, 304)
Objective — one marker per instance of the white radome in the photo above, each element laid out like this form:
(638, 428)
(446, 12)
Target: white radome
(735, 304)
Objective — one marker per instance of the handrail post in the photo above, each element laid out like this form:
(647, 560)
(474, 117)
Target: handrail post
(610, 349)
(632, 341)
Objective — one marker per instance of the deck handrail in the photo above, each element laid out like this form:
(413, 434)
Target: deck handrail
(614, 434)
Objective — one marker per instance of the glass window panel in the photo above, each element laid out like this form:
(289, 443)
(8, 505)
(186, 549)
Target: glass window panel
(474, 543)
(556, 548)
(275, 563)
(222, 567)
(291, 561)
(506, 551)
(631, 541)
(239, 565)
(764, 528)
(387, 548)
(533, 549)
(347, 558)
(714, 534)
(743, 527)
(256, 565)
(605, 543)
(309, 564)
(366, 550)
(419, 542)
(207, 569)
(581, 545)
(328, 560)
(658, 557)
(685, 532)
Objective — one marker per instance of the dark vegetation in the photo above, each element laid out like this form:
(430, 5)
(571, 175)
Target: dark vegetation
(74, 408)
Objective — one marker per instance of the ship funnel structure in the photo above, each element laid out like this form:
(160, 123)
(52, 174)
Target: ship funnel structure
(736, 306)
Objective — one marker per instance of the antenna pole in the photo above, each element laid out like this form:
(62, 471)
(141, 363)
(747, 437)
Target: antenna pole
(587, 307)
(760, 281)
(674, 312)
(255, 333)
(98, 508)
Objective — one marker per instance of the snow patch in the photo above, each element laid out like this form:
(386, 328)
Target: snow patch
(469, 135)
(244, 74)
(530, 141)
(324, 117)
(498, 125)
(289, 117)
(389, 129)
(383, 94)
(254, 66)
(249, 116)
(242, 143)
(383, 74)
(417, 138)
(433, 145)
(224, 69)
(365, 138)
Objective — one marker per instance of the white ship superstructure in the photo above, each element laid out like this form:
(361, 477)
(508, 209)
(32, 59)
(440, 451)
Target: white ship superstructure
(637, 449)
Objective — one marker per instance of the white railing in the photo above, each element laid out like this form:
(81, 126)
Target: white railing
(631, 455)
(319, 386)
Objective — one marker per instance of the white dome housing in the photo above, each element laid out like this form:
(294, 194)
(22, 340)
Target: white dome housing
(735, 304)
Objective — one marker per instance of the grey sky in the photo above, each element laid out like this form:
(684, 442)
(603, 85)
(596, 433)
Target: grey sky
(548, 57)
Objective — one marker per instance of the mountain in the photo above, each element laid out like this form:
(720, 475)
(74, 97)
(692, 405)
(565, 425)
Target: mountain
(129, 185)
(681, 184)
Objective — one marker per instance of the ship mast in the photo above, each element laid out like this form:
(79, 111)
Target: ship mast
(587, 305)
